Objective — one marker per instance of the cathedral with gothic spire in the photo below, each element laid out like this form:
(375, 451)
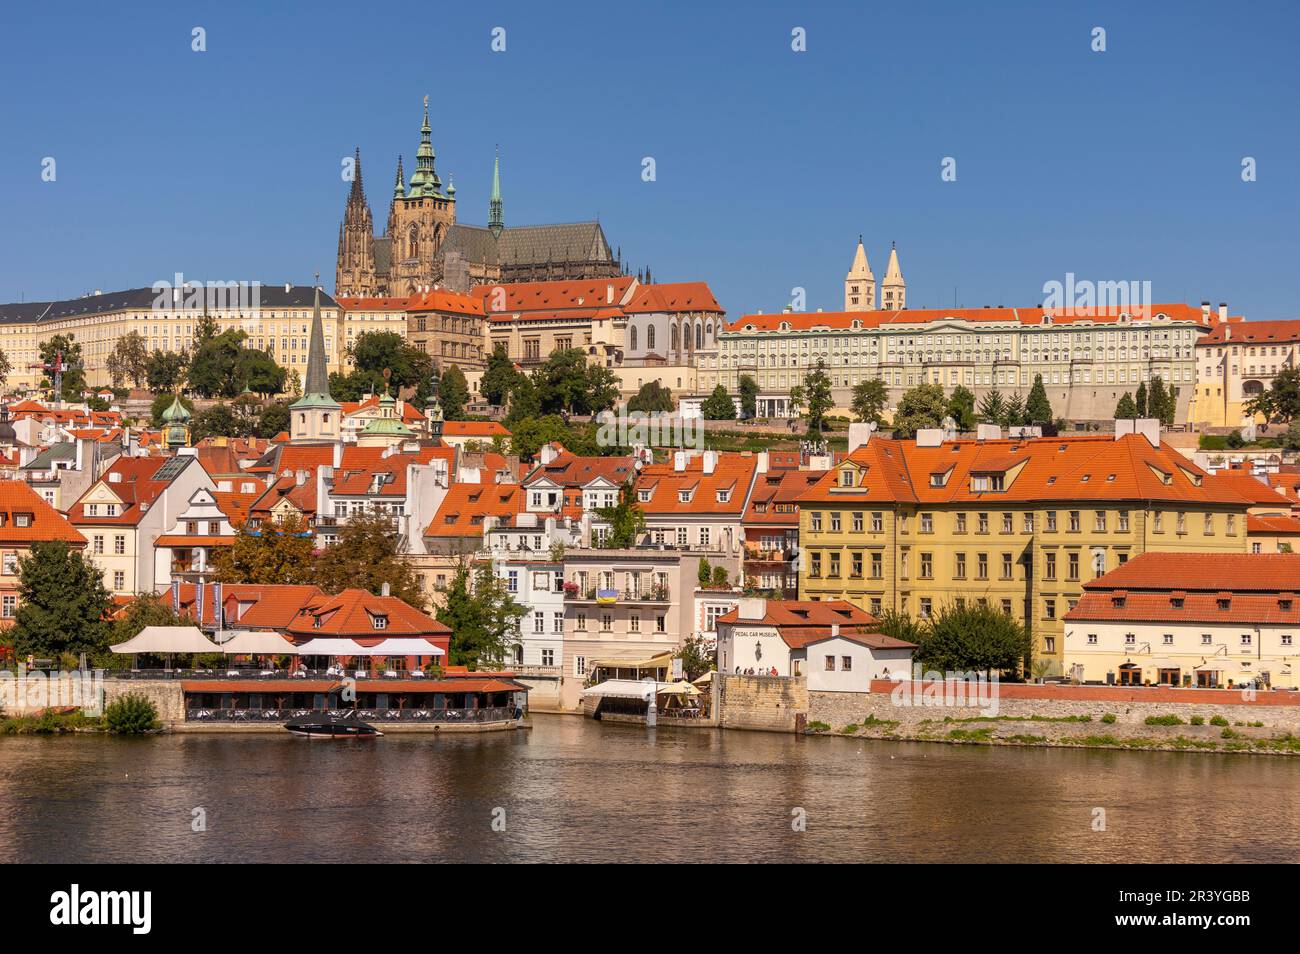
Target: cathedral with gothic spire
(424, 246)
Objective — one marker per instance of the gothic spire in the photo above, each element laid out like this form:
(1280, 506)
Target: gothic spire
(399, 189)
(358, 193)
(316, 385)
(496, 215)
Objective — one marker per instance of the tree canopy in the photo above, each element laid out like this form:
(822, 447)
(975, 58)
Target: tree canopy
(453, 393)
(817, 396)
(1038, 409)
(62, 602)
(652, 397)
(129, 360)
(483, 616)
(719, 406)
(869, 399)
(748, 389)
(922, 406)
(626, 520)
(275, 552)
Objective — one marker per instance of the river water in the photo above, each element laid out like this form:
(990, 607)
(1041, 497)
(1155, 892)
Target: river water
(576, 790)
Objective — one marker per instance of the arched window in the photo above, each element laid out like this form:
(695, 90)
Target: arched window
(672, 337)
(650, 338)
(699, 334)
(413, 242)
(632, 337)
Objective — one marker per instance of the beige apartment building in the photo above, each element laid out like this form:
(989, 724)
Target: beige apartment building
(1237, 361)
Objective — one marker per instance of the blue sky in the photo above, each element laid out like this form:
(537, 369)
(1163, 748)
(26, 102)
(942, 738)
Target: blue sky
(1122, 165)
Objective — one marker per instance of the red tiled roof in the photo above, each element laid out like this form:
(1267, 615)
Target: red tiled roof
(555, 296)
(1210, 572)
(1031, 315)
(1242, 483)
(777, 488)
(802, 622)
(673, 297)
(250, 605)
(17, 498)
(410, 414)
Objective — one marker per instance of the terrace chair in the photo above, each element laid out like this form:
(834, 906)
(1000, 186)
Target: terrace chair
(390, 673)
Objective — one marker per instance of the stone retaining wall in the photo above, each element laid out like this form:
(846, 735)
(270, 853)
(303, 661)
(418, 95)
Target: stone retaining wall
(765, 703)
(165, 694)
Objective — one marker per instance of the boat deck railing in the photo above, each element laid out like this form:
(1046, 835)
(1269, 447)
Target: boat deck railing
(442, 716)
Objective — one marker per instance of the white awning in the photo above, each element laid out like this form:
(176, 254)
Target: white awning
(627, 689)
(167, 639)
(395, 646)
(258, 643)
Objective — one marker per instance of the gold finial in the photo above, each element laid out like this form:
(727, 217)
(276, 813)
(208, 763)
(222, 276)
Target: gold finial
(426, 100)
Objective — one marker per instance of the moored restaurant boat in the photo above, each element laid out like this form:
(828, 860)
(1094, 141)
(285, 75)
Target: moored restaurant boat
(328, 725)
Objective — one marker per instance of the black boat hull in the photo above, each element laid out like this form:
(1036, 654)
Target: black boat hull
(331, 727)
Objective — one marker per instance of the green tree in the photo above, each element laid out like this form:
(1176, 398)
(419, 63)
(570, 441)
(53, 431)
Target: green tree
(146, 609)
(869, 399)
(1013, 412)
(901, 626)
(652, 397)
(214, 365)
(131, 714)
(563, 383)
(921, 406)
(483, 616)
(1126, 409)
(74, 376)
(5, 368)
(603, 390)
(161, 403)
(164, 372)
(273, 419)
(529, 435)
(961, 407)
(974, 637)
(1038, 410)
(129, 359)
(525, 404)
(375, 351)
(62, 603)
(992, 407)
(1281, 401)
(721, 578)
(453, 393)
(1140, 400)
(696, 656)
(626, 520)
(719, 406)
(500, 377)
(817, 394)
(273, 552)
(704, 573)
(216, 421)
(748, 389)
(366, 556)
(257, 371)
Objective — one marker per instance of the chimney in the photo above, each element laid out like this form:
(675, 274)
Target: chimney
(710, 462)
(287, 287)
(860, 434)
(1223, 312)
(300, 477)
(385, 590)
(338, 453)
(929, 437)
(1205, 310)
(985, 432)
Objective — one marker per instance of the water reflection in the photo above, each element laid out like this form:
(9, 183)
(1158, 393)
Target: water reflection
(574, 790)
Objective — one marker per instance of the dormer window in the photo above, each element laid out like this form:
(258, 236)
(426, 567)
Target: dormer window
(379, 620)
(684, 496)
(724, 496)
(848, 477)
(643, 496)
(988, 483)
(22, 520)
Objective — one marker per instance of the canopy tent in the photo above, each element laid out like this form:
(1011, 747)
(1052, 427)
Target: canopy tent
(682, 688)
(263, 643)
(393, 646)
(626, 689)
(706, 679)
(167, 639)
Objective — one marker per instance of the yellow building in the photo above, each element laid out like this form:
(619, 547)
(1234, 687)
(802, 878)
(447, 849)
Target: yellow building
(1017, 524)
(1237, 361)
(276, 319)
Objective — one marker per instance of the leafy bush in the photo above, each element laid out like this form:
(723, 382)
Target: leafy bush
(1218, 720)
(131, 715)
(1164, 720)
(1108, 718)
(1197, 720)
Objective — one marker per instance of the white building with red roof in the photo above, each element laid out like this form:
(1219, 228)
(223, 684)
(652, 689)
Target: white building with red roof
(25, 519)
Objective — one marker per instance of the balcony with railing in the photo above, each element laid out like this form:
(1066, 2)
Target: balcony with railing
(612, 595)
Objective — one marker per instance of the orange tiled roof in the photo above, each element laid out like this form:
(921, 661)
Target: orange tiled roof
(734, 472)
(1032, 315)
(672, 297)
(1251, 332)
(802, 622)
(17, 498)
(250, 605)
(474, 429)
(777, 488)
(352, 613)
(466, 505)
(1270, 525)
(137, 488)
(1076, 468)
(555, 296)
(450, 302)
(410, 414)
(235, 505)
(1257, 491)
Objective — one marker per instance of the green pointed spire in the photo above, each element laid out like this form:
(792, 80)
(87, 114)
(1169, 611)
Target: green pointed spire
(316, 386)
(496, 214)
(399, 188)
(424, 180)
